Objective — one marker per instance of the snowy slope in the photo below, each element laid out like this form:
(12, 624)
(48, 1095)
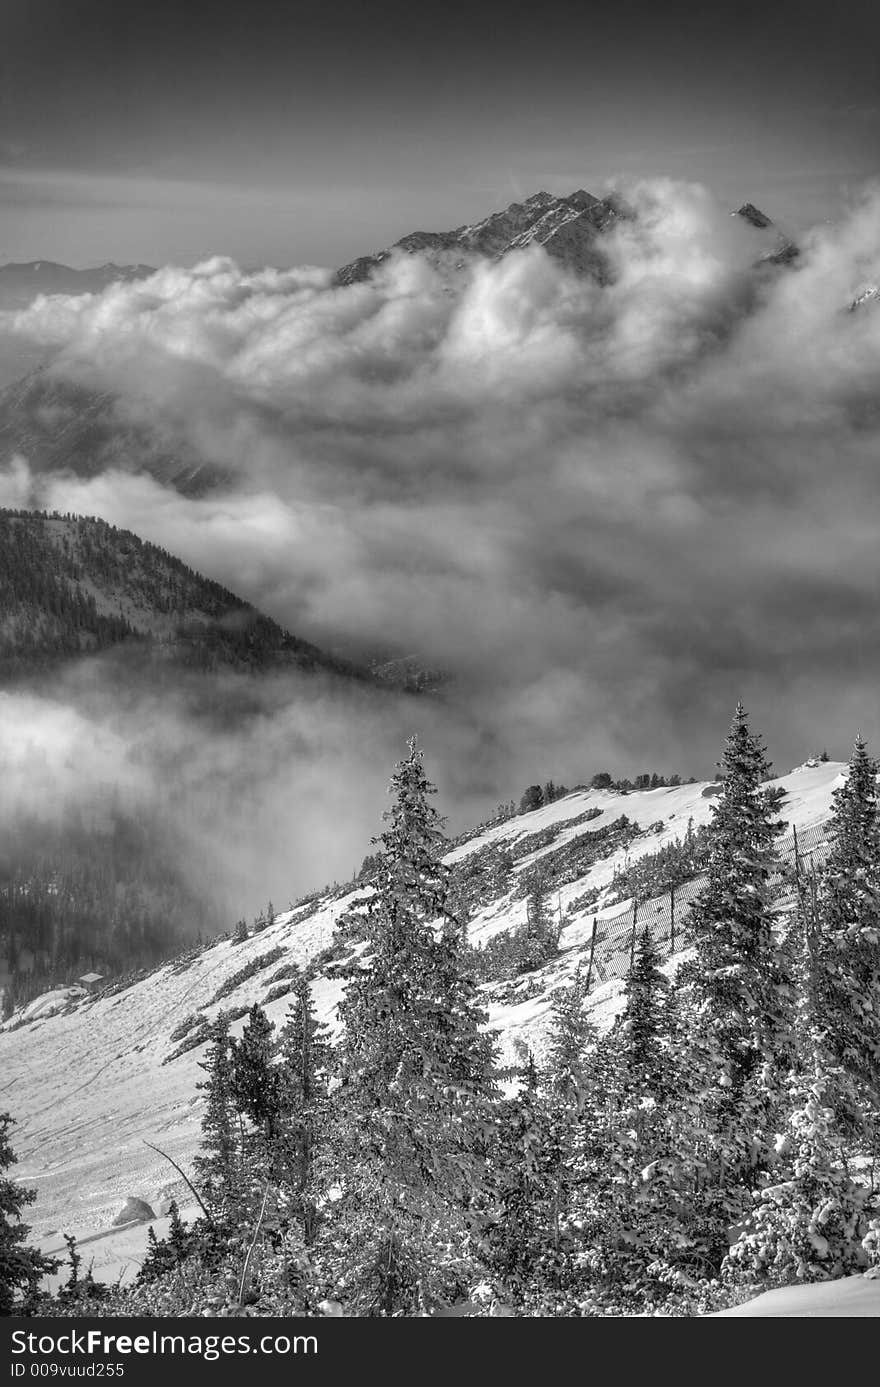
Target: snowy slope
(855, 1297)
(84, 1075)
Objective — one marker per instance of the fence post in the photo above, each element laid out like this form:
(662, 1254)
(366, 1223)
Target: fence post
(632, 947)
(797, 860)
(672, 920)
(592, 951)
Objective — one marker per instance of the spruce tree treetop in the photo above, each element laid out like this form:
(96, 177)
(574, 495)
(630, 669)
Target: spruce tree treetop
(410, 869)
(730, 918)
(851, 876)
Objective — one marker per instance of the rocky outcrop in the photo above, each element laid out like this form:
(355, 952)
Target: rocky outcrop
(134, 1210)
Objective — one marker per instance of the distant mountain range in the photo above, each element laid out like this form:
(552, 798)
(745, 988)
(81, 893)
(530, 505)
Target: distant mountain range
(569, 227)
(20, 283)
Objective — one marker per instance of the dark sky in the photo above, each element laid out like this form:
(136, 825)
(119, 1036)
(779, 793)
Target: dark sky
(316, 130)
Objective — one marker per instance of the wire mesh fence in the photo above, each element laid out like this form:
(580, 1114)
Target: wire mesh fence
(613, 938)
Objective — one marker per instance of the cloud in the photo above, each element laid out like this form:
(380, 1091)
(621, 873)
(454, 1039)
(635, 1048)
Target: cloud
(608, 511)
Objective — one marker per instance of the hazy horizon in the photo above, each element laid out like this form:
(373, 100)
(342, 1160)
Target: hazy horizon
(315, 133)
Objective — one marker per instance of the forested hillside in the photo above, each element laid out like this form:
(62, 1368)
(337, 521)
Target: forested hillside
(71, 586)
(391, 1132)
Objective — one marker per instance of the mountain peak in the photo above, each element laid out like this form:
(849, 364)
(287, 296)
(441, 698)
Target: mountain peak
(567, 226)
(753, 215)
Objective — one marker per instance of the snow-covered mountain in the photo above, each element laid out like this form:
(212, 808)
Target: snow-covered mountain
(92, 1078)
(570, 228)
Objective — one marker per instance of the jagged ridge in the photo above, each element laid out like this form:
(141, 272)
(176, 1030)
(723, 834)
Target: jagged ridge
(567, 227)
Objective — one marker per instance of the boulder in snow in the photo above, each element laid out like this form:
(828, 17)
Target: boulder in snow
(133, 1211)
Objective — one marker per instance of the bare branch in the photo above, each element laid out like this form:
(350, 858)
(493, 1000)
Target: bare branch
(184, 1175)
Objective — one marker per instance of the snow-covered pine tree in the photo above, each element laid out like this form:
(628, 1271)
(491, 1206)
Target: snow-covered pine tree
(646, 1062)
(218, 1164)
(810, 1215)
(736, 989)
(848, 984)
(306, 1060)
(562, 1128)
(255, 1081)
(850, 879)
(571, 1039)
(810, 1225)
(410, 1110)
(539, 941)
(21, 1267)
(523, 1228)
(645, 1229)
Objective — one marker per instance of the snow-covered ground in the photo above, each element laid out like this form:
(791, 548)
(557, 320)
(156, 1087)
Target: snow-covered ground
(853, 1296)
(84, 1079)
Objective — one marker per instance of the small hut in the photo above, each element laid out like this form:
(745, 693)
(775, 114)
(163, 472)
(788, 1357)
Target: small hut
(90, 981)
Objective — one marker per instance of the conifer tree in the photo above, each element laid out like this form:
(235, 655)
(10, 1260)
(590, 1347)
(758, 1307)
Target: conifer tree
(736, 975)
(523, 1232)
(641, 1222)
(809, 1226)
(21, 1267)
(572, 1036)
(539, 941)
(410, 1114)
(178, 1234)
(254, 1080)
(811, 1217)
(567, 1132)
(219, 1162)
(850, 884)
(736, 988)
(305, 1062)
(164, 1254)
(644, 1050)
(849, 936)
